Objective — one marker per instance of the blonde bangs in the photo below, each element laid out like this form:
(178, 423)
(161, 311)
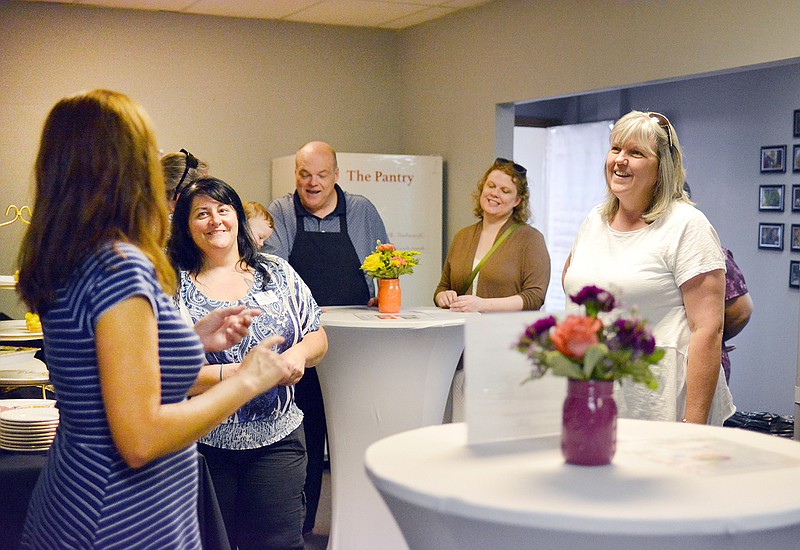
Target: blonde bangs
(635, 130)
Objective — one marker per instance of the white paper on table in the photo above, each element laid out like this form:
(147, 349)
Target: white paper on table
(707, 456)
(498, 405)
(376, 315)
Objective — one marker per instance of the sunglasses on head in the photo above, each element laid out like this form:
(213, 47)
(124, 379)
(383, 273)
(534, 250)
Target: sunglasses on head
(191, 162)
(663, 121)
(518, 168)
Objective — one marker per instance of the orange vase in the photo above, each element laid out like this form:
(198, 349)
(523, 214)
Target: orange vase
(389, 297)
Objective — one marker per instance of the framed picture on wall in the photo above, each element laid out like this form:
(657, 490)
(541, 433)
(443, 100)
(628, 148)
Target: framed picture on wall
(794, 274)
(795, 198)
(770, 198)
(796, 158)
(770, 236)
(794, 238)
(773, 159)
(796, 123)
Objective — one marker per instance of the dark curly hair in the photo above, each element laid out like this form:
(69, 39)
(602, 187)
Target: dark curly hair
(181, 248)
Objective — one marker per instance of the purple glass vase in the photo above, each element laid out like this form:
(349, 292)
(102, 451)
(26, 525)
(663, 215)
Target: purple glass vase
(589, 423)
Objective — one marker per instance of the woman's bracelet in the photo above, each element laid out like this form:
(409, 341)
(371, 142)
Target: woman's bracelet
(221, 372)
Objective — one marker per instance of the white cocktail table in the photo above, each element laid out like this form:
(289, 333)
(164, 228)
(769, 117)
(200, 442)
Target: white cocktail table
(383, 374)
(670, 486)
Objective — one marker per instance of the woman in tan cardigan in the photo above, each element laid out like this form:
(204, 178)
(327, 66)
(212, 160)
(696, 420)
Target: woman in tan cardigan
(498, 264)
(516, 274)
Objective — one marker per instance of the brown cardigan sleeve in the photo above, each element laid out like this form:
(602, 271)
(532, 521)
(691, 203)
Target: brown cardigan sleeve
(520, 266)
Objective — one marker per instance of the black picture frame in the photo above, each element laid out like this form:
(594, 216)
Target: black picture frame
(794, 238)
(796, 158)
(795, 198)
(794, 273)
(773, 159)
(770, 236)
(770, 198)
(796, 123)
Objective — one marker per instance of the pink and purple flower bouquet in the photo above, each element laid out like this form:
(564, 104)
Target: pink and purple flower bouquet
(583, 347)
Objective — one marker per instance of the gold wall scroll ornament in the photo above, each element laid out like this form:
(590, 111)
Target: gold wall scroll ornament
(19, 214)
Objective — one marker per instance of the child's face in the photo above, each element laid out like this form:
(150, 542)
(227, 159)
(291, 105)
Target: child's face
(261, 230)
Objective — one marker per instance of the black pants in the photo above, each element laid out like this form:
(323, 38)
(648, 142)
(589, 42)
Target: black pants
(260, 492)
(308, 397)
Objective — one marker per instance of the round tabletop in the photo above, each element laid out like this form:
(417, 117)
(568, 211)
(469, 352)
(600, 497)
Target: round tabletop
(666, 478)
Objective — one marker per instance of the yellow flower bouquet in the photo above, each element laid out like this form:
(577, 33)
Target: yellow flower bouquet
(389, 263)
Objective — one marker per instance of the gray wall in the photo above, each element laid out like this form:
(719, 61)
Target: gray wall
(723, 122)
(455, 72)
(240, 92)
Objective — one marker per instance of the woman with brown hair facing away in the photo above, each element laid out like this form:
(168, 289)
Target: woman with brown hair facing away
(122, 471)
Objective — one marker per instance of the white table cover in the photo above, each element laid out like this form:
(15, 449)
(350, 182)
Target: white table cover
(383, 374)
(670, 486)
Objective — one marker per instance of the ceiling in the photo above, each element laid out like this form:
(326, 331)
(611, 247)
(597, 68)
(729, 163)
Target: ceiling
(385, 14)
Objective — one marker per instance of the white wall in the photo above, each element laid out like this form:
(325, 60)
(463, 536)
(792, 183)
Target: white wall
(240, 92)
(454, 71)
(529, 151)
(235, 92)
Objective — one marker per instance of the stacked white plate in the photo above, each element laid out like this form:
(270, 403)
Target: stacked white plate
(8, 404)
(31, 426)
(28, 373)
(16, 330)
(15, 355)
(7, 281)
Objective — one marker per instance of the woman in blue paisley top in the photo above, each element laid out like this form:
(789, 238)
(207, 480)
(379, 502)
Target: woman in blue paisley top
(257, 456)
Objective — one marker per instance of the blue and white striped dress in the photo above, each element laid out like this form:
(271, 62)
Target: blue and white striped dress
(86, 496)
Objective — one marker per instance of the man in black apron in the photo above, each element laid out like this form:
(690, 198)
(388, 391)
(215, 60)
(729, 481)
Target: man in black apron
(325, 233)
(328, 262)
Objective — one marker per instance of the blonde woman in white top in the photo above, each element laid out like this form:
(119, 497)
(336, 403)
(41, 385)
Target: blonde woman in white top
(657, 253)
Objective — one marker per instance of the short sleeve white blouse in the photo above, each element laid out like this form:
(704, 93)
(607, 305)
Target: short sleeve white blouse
(644, 269)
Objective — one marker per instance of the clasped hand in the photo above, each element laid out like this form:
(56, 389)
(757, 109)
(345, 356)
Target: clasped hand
(465, 303)
(268, 368)
(225, 327)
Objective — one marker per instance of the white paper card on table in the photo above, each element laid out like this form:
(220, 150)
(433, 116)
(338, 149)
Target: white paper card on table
(498, 406)
(707, 456)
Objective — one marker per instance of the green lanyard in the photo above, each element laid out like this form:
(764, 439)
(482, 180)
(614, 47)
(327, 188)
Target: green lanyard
(506, 234)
